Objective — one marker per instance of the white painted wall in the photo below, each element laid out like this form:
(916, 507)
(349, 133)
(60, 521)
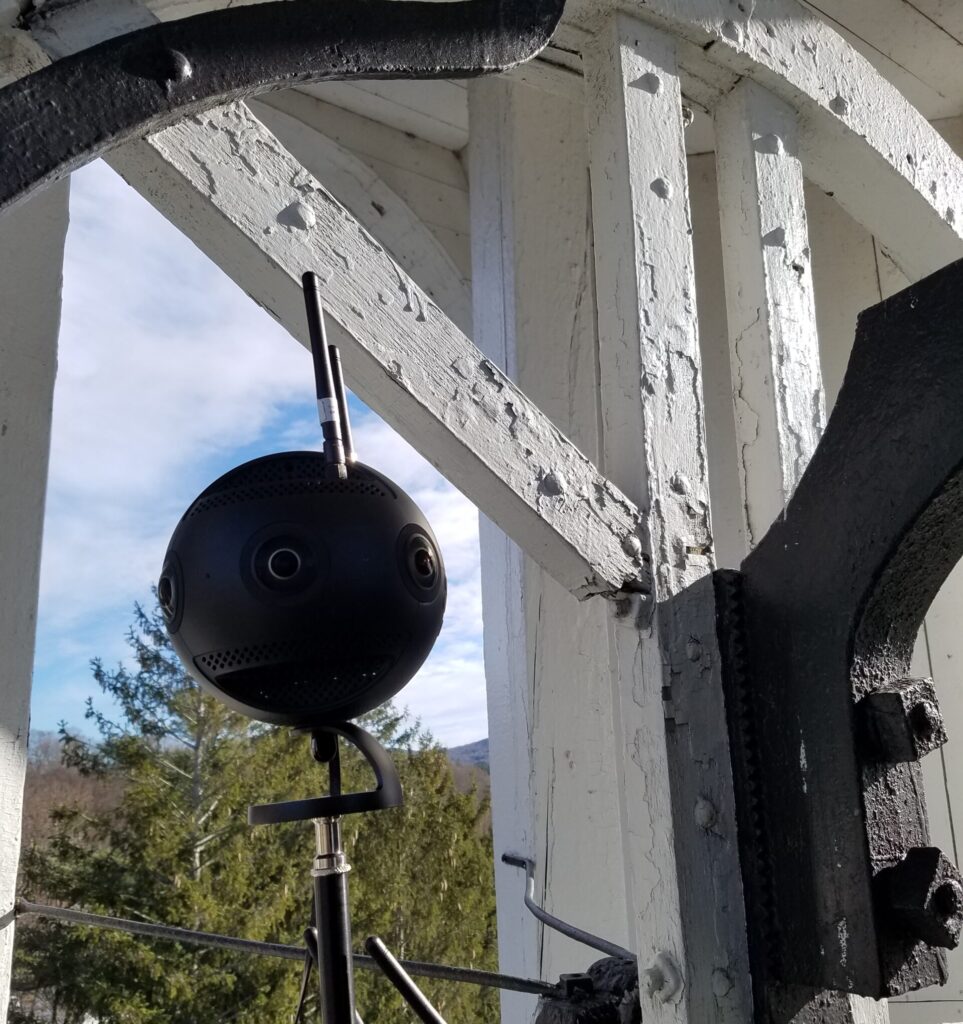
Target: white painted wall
(31, 259)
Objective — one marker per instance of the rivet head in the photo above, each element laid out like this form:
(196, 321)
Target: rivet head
(297, 215)
(179, 67)
(632, 546)
(705, 813)
(662, 978)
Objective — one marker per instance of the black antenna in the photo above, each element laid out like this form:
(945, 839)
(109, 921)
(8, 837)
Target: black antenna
(340, 392)
(328, 407)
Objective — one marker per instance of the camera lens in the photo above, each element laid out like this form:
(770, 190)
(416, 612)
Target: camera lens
(425, 564)
(284, 564)
(422, 561)
(165, 595)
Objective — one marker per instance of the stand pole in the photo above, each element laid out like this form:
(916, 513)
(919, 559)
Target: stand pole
(335, 965)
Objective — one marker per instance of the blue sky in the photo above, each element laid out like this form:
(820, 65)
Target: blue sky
(168, 376)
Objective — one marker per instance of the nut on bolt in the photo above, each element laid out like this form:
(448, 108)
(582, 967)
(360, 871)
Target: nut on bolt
(924, 893)
(901, 722)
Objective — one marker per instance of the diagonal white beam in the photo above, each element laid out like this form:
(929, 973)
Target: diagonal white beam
(227, 183)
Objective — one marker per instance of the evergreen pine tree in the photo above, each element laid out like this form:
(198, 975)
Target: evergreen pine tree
(177, 849)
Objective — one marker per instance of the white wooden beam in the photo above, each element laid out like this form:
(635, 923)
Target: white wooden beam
(377, 206)
(550, 715)
(860, 139)
(678, 821)
(770, 308)
(771, 312)
(506, 572)
(225, 181)
(31, 254)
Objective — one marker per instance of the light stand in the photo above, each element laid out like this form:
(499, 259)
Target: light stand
(329, 938)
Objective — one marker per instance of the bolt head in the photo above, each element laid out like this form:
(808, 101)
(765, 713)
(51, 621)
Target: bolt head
(902, 722)
(924, 894)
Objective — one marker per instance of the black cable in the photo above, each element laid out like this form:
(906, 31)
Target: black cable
(442, 972)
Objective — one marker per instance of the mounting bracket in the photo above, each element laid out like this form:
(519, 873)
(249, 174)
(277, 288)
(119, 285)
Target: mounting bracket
(817, 631)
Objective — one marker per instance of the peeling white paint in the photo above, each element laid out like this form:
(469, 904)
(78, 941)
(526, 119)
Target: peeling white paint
(654, 448)
(770, 305)
(474, 424)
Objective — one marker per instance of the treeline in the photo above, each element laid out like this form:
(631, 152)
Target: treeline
(149, 822)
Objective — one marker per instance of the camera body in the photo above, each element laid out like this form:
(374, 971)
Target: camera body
(298, 599)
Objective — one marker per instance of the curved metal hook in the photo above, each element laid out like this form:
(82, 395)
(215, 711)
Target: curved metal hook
(61, 117)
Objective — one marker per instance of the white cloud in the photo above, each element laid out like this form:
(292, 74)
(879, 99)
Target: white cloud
(168, 376)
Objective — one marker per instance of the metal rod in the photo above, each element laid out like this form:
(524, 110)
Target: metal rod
(395, 973)
(341, 394)
(443, 972)
(328, 412)
(571, 930)
(335, 966)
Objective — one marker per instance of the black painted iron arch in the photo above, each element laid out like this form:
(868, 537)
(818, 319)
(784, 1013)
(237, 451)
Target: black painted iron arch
(61, 117)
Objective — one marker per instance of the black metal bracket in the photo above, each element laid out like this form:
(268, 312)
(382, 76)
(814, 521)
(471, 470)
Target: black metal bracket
(816, 631)
(387, 792)
(62, 116)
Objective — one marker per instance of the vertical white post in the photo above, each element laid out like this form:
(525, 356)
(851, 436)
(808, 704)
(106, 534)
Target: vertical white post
(550, 715)
(678, 820)
(505, 574)
(774, 347)
(31, 254)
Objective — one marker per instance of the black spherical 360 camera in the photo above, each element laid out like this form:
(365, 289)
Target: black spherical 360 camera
(304, 588)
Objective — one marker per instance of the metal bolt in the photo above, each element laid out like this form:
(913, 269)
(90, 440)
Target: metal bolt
(924, 893)
(902, 722)
(632, 546)
(705, 813)
(662, 977)
(572, 983)
(178, 67)
(925, 719)
(948, 899)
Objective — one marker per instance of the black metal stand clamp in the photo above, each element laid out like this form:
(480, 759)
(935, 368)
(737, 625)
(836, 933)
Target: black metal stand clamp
(844, 891)
(328, 939)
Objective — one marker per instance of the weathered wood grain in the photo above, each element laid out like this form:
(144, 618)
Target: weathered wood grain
(229, 185)
(549, 693)
(770, 306)
(31, 253)
(678, 823)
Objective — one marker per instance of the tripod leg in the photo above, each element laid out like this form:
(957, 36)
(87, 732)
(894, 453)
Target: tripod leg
(310, 957)
(399, 977)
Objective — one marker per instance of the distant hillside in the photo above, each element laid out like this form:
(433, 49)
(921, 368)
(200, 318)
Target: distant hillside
(471, 753)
